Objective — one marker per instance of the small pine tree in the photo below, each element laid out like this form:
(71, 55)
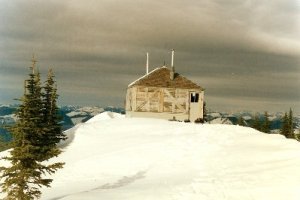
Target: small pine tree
(241, 121)
(52, 128)
(256, 122)
(23, 179)
(266, 126)
(285, 126)
(290, 125)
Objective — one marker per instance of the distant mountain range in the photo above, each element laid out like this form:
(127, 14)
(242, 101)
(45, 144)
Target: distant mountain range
(73, 115)
(248, 117)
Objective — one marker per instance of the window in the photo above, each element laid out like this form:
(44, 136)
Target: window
(194, 97)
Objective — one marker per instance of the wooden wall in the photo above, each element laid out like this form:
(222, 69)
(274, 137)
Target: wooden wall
(158, 100)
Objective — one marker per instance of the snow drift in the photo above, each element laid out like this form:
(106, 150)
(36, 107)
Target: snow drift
(111, 157)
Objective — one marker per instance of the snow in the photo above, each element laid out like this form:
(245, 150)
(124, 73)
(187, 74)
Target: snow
(247, 117)
(134, 158)
(220, 121)
(78, 120)
(104, 116)
(81, 114)
(84, 111)
(76, 113)
(8, 119)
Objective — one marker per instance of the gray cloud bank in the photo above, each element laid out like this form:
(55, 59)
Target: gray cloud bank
(245, 53)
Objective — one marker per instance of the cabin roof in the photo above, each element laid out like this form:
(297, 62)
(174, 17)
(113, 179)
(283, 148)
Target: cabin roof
(160, 77)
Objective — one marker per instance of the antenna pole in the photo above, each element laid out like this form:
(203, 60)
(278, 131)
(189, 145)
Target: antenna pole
(172, 60)
(172, 72)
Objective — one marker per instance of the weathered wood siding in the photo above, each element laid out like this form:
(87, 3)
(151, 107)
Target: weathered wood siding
(161, 100)
(151, 99)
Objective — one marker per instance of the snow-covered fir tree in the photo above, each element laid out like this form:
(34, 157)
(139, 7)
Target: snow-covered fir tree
(35, 134)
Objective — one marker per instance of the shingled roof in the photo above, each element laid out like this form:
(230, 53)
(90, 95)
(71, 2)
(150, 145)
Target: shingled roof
(160, 77)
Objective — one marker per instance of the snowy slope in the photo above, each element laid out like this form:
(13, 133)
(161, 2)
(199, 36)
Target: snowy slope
(105, 116)
(125, 158)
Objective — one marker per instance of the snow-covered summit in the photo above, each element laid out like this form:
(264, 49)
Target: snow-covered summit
(104, 116)
(135, 158)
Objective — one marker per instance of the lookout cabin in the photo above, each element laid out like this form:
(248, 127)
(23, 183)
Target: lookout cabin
(163, 93)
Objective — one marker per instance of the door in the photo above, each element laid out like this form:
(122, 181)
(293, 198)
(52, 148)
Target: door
(195, 107)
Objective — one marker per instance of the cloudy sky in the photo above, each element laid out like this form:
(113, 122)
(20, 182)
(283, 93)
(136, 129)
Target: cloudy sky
(245, 53)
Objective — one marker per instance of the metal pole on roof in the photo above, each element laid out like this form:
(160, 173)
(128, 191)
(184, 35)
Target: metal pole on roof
(172, 60)
(172, 73)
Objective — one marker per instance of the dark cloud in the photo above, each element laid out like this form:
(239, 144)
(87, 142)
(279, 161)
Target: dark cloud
(245, 53)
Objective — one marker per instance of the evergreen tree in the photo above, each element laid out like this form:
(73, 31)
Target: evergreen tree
(3, 144)
(287, 128)
(23, 179)
(241, 121)
(285, 125)
(51, 118)
(291, 125)
(256, 122)
(266, 124)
